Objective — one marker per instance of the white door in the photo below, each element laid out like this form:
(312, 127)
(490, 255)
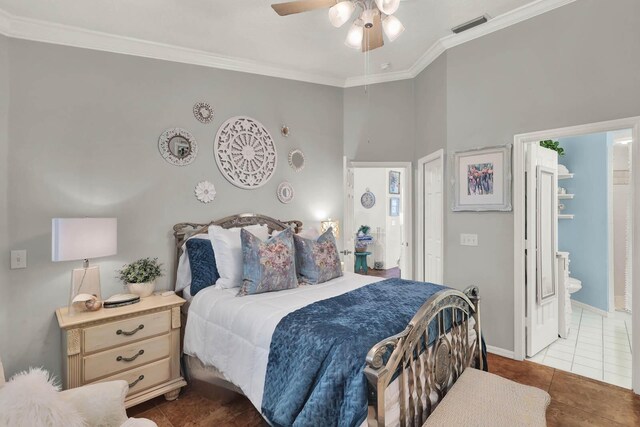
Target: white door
(541, 248)
(430, 173)
(348, 237)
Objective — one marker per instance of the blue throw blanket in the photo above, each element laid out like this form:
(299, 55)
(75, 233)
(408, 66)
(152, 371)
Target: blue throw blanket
(315, 374)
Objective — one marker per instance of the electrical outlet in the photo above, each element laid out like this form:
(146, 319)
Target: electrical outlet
(469, 239)
(18, 259)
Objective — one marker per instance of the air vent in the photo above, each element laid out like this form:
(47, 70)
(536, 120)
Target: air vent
(469, 25)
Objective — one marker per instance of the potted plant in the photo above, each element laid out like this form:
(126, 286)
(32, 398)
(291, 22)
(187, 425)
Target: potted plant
(140, 276)
(552, 145)
(363, 239)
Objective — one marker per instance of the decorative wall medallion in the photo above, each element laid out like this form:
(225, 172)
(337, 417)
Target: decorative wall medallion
(205, 191)
(284, 131)
(285, 192)
(177, 146)
(245, 152)
(368, 199)
(296, 160)
(203, 112)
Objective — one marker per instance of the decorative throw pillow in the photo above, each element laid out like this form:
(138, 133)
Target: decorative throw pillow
(227, 248)
(268, 265)
(32, 399)
(317, 260)
(204, 272)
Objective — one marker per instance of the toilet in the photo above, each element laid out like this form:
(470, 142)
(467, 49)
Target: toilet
(567, 285)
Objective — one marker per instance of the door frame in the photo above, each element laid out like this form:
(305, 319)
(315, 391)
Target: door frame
(408, 208)
(420, 265)
(632, 123)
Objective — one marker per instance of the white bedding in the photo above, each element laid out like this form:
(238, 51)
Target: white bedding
(234, 334)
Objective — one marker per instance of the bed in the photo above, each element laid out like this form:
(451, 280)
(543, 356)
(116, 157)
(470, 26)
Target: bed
(228, 341)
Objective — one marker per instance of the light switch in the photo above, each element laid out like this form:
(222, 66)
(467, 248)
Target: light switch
(18, 259)
(469, 239)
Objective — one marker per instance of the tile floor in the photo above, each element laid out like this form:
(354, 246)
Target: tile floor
(598, 347)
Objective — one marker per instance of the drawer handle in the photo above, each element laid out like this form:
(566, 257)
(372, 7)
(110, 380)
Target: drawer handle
(133, 384)
(129, 333)
(129, 359)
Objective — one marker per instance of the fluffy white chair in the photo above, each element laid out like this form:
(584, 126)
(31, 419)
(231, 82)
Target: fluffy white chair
(31, 397)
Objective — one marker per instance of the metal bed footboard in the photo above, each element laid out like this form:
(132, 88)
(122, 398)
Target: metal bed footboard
(425, 372)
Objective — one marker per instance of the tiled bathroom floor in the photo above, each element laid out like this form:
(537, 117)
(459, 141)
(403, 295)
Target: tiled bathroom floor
(598, 347)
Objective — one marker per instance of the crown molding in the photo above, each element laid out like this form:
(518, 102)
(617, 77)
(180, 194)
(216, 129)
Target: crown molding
(48, 32)
(500, 22)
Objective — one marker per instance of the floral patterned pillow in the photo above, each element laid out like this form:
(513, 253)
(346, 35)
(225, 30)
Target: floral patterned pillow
(317, 261)
(267, 266)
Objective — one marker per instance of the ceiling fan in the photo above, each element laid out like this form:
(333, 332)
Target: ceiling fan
(365, 33)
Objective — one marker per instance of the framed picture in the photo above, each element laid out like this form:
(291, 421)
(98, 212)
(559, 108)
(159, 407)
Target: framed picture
(394, 206)
(394, 182)
(482, 179)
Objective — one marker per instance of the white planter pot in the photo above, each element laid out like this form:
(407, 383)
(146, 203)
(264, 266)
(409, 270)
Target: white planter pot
(142, 289)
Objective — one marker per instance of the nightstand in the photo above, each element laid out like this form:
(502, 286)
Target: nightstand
(138, 343)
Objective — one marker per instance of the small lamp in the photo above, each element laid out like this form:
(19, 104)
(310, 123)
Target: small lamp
(82, 239)
(330, 223)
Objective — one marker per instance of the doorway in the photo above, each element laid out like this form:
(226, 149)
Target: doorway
(589, 341)
(378, 219)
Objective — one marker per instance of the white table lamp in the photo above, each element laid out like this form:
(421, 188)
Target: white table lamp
(83, 239)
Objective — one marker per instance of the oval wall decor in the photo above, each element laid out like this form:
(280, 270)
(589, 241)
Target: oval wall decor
(245, 152)
(368, 199)
(285, 192)
(177, 146)
(203, 112)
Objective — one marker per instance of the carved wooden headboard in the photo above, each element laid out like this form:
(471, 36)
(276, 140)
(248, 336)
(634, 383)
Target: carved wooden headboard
(184, 230)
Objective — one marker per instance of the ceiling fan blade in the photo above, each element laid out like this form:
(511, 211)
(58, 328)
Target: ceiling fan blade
(289, 8)
(373, 36)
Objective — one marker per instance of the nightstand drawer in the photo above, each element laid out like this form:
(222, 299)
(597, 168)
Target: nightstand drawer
(145, 376)
(126, 357)
(126, 331)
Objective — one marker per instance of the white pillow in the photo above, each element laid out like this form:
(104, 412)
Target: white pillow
(227, 248)
(183, 274)
(32, 399)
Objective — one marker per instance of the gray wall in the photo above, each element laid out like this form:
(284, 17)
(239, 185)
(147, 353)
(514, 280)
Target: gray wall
(379, 122)
(84, 129)
(551, 71)
(4, 185)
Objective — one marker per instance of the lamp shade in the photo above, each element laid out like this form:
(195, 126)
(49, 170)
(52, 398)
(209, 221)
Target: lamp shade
(355, 34)
(392, 27)
(330, 223)
(388, 7)
(83, 238)
(340, 13)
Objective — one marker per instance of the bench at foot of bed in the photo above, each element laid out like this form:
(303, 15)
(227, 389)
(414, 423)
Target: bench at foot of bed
(479, 398)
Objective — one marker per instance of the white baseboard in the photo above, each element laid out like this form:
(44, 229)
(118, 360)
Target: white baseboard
(500, 351)
(590, 308)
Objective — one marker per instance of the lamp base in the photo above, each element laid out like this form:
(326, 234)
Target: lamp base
(84, 281)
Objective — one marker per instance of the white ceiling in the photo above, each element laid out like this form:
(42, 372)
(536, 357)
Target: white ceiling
(251, 32)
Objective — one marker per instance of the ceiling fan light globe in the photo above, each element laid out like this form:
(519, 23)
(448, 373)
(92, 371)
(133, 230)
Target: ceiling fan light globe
(388, 7)
(355, 34)
(340, 13)
(392, 27)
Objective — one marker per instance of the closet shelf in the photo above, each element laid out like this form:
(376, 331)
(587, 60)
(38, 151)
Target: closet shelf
(565, 216)
(565, 175)
(566, 196)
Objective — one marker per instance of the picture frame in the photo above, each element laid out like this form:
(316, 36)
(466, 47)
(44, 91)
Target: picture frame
(481, 179)
(394, 206)
(394, 182)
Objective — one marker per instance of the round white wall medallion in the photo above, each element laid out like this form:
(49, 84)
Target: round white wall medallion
(285, 192)
(296, 160)
(203, 112)
(368, 199)
(177, 146)
(245, 152)
(205, 192)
